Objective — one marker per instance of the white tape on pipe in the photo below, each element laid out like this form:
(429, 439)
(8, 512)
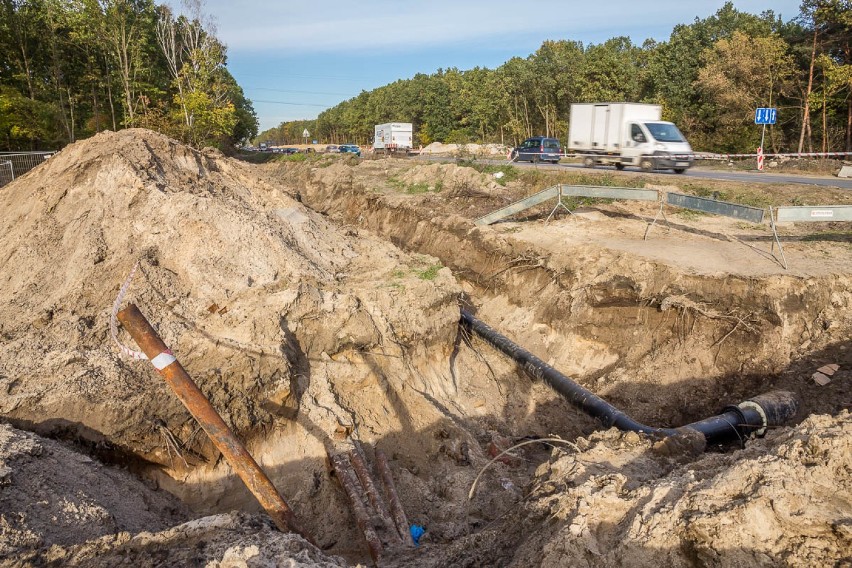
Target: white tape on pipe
(163, 360)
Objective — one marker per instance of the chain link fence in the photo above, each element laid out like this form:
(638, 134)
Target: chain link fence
(16, 164)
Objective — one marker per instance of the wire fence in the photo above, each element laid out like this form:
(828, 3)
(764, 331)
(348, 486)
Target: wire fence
(7, 173)
(16, 164)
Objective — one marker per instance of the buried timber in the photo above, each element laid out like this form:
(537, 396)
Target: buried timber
(320, 336)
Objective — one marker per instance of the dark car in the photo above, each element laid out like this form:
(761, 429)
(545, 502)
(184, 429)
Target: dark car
(538, 149)
(289, 150)
(349, 149)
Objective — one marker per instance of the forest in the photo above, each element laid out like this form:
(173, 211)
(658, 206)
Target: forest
(72, 68)
(709, 77)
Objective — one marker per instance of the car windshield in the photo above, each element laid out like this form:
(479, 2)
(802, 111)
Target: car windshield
(664, 132)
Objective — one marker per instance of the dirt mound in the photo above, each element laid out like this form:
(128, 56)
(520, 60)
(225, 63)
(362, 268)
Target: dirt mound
(489, 150)
(296, 329)
(775, 502)
(51, 495)
(617, 499)
(456, 180)
(234, 274)
(52, 499)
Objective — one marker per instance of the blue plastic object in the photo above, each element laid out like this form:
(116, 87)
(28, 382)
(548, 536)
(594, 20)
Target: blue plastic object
(416, 532)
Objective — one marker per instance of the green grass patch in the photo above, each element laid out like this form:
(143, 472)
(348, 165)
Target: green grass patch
(424, 269)
(414, 188)
(690, 214)
(430, 272)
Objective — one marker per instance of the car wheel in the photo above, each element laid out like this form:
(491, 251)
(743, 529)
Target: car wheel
(679, 170)
(619, 166)
(589, 162)
(647, 165)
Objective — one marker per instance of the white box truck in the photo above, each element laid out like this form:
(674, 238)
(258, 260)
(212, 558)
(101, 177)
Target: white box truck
(393, 137)
(627, 134)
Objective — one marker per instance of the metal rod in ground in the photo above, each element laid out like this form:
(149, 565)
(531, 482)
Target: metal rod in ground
(393, 498)
(363, 473)
(220, 434)
(343, 470)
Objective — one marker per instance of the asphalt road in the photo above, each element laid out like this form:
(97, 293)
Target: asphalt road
(746, 177)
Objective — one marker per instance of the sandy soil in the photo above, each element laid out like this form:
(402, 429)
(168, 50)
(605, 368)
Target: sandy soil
(316, 304)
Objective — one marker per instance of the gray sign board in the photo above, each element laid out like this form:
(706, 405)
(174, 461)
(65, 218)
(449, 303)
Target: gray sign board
(602, 192)
(707, 205)
(814, 214)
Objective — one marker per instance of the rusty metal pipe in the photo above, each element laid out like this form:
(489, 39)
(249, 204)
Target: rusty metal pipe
(393, 498)
(343, 469)
(221, 435)
(359, 465)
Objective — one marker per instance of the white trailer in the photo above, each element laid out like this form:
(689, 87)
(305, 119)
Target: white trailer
(393, 137)
(626, 134)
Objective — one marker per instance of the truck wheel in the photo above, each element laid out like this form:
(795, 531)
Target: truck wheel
(679, 170)
(589, 162)
(647, 165)
(619, 166)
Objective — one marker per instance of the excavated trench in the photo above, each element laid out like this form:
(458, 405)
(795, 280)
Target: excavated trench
(278, 290)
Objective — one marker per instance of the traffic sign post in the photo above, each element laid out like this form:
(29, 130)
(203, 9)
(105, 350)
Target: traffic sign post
(763, 116)
(306, 135)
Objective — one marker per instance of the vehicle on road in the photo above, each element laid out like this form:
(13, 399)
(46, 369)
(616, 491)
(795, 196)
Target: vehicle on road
(538, 149)
(627, 134)
(332, 149)
(393, 137)
(349, 149)
(263, 147)
(289, 150)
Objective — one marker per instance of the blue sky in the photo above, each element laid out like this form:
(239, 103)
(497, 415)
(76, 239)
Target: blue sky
(295, 59)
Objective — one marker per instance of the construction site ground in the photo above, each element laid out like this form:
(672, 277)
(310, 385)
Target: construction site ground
(316, 302)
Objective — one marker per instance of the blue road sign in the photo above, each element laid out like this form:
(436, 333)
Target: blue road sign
(765, 115)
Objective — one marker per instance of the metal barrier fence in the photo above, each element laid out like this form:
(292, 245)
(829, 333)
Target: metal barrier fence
(562, 190)
(823, 213)
(7, 173)
(735, 210)
(805, 214)
(16, 164)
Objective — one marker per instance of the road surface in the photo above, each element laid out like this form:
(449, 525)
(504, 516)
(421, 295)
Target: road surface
(746, 177)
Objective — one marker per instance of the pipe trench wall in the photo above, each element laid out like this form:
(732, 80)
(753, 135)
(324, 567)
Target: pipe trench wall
(607, 303)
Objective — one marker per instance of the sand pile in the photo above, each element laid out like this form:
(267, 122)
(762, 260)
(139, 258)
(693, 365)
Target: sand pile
(236, 276)
(264, 302)
(449, 178)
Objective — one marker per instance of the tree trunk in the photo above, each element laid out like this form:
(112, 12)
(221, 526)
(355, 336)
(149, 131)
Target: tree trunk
(71, 114)
(849, 125)
(806, 113)
(824, 124)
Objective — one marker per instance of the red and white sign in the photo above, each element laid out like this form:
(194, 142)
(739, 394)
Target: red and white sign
(760, 159)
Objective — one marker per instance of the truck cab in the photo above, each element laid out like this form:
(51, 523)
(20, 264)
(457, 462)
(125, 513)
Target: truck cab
(655, 145)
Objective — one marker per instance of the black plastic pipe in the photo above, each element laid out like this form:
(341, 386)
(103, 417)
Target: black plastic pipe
(735, 422)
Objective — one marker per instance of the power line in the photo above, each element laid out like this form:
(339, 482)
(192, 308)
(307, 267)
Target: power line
(288, 103)
(302, 92)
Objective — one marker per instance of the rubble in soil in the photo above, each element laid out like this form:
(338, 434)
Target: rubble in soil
(319, 305)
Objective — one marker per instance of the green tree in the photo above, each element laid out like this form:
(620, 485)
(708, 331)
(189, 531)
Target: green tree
(740, 74)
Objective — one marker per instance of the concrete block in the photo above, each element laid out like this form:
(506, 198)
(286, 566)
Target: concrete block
(820, 379)
(828, 370)
(845, 172)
